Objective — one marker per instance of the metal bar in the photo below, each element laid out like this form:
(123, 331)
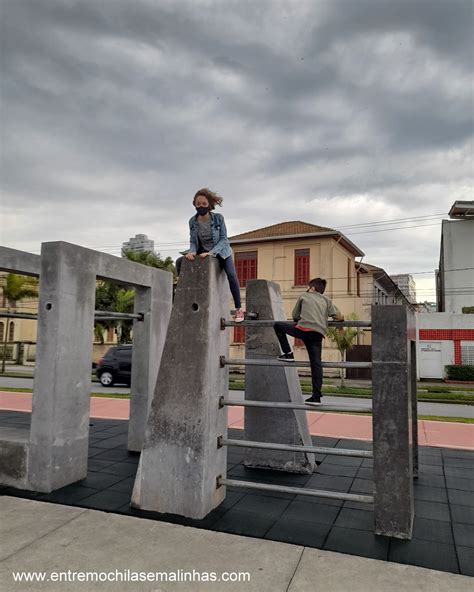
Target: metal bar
(19, 315)
(311, 449)
(296, 364)
(350, 497)
(270, 323)
(277, 405)
(101, 315)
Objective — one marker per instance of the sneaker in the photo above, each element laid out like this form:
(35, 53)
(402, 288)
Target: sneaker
(239, 316)
(287, 357)
(313, 400)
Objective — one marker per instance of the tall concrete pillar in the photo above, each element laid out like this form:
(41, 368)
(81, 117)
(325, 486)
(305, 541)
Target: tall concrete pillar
(393, 331)
(148, 342)
(180, 461)
(59, 436)
(284, 426)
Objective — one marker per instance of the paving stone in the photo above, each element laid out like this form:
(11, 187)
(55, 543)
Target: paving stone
(358, 519)
(244, 523)
(459, 472)
(362, 486)
(430, 481)
(460, 483)
(100, 480)
(330, 483)
(299, 532)
(262, 505)
(357, 542)
(340, 470)
(432, 510)
(105, 500)
(461, 498)
(424, 554)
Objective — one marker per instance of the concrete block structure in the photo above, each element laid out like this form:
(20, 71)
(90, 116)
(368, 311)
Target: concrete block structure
(270, 383)
(54, 453)
(180, 460)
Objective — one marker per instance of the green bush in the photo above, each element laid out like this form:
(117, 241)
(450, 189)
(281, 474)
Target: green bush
(460, 372)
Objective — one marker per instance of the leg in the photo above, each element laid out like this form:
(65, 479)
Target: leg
(313, 343)
(228, 266)
(179, 262)
(284, 328)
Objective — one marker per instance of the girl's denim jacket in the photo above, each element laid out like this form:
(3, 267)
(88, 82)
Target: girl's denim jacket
(219, 236)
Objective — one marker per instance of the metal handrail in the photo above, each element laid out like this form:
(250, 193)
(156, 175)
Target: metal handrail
(270, 322)
(283, 405)
(296, 364)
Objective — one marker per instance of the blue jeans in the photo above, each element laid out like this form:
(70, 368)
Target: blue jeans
(228, 266)
(313, 342)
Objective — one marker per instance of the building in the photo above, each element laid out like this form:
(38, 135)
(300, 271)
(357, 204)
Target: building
(407, 285)
(455, 276)
(290, 254)
(138, 244)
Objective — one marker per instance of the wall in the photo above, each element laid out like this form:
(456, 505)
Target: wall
(457, 250)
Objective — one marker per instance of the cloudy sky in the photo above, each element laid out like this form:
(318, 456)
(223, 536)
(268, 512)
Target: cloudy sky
(343, 113)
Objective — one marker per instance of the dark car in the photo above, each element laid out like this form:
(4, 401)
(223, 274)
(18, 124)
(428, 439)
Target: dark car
(116, 366)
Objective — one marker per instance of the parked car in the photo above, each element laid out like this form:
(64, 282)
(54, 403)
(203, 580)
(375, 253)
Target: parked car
(116, 366)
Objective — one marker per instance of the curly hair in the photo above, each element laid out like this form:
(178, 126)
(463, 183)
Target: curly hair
(212, 197)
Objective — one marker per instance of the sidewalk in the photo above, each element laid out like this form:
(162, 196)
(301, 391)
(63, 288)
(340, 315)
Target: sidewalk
(356, 427)
(43, 537)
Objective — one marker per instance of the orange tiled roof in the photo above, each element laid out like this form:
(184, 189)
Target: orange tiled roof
(294, 227)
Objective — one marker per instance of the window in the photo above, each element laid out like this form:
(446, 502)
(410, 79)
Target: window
(246, 267)
(358, 284)
(239, 335)
(11, 331)
(301, 267)
(349, 270)
(467, 353)
(2, 329)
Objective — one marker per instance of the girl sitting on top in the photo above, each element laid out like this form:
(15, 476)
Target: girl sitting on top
(208, 236)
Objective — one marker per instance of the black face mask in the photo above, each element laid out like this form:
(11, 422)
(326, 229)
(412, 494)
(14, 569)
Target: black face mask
(202, 211)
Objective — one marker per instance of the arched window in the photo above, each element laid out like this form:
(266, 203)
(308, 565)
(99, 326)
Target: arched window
(2, 329)
(11, 331)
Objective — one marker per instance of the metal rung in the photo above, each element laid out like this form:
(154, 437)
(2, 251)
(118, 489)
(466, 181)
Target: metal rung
(311, 449)
(277, 405)
(271, 322)
(99, 315)
(349, 497)
(296, 364)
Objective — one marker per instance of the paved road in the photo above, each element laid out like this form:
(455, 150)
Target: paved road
(442, 409)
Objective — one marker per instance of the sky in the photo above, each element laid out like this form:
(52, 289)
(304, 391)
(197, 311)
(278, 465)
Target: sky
(351, 114)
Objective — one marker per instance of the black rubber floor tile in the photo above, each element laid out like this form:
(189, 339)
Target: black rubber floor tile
(100, 480)
(326, 468)
(459, 472)
(69, 495)
(262, 505)
(244, 523)
(432, 510)
(354, 444)
(329, 482)
(357, 542)
(463, 534)
(124, 486)
(424, 554)
(117, 455)
(231, 498)
(364, 473)
(368, 463)
(430, 460)
(430, 494)
(461, 463)
(105, 500)
(429, 451)
(362, 486)
(460, 483)
(430, 469)
(358, 519)
(461, 498)
(126, 469)
(462, 514)
(457, 453)
(430, 481)
(325, 501)
(433, 530)
(299, 532)
(347, 461)
(325, 441)
(359, 506)
(300, 510)
(109, 443)
(466, 560)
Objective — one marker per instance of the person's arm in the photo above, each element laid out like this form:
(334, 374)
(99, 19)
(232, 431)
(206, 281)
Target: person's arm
(296, 314)
(334, 312)
(223, 240)
(192, 241)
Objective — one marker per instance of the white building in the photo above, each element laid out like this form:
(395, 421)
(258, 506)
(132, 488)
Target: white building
(139, 243)
(407, 285)
(455, 277)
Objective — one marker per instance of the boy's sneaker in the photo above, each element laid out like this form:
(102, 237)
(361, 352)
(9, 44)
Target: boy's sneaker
(287, 357)
(239, 316)
(313, 400)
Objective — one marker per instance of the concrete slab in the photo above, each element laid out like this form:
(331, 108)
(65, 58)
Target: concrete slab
(96, 541)
(335, 572)
(23, 522)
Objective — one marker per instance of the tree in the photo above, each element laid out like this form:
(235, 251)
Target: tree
(15, 288)
(113, 297)
(343, 338)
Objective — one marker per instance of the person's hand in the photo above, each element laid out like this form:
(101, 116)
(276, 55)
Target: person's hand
(190, 256)
(204, 255)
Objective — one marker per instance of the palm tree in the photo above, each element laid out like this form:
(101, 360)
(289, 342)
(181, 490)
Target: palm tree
(16, 288)
(344, 338)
